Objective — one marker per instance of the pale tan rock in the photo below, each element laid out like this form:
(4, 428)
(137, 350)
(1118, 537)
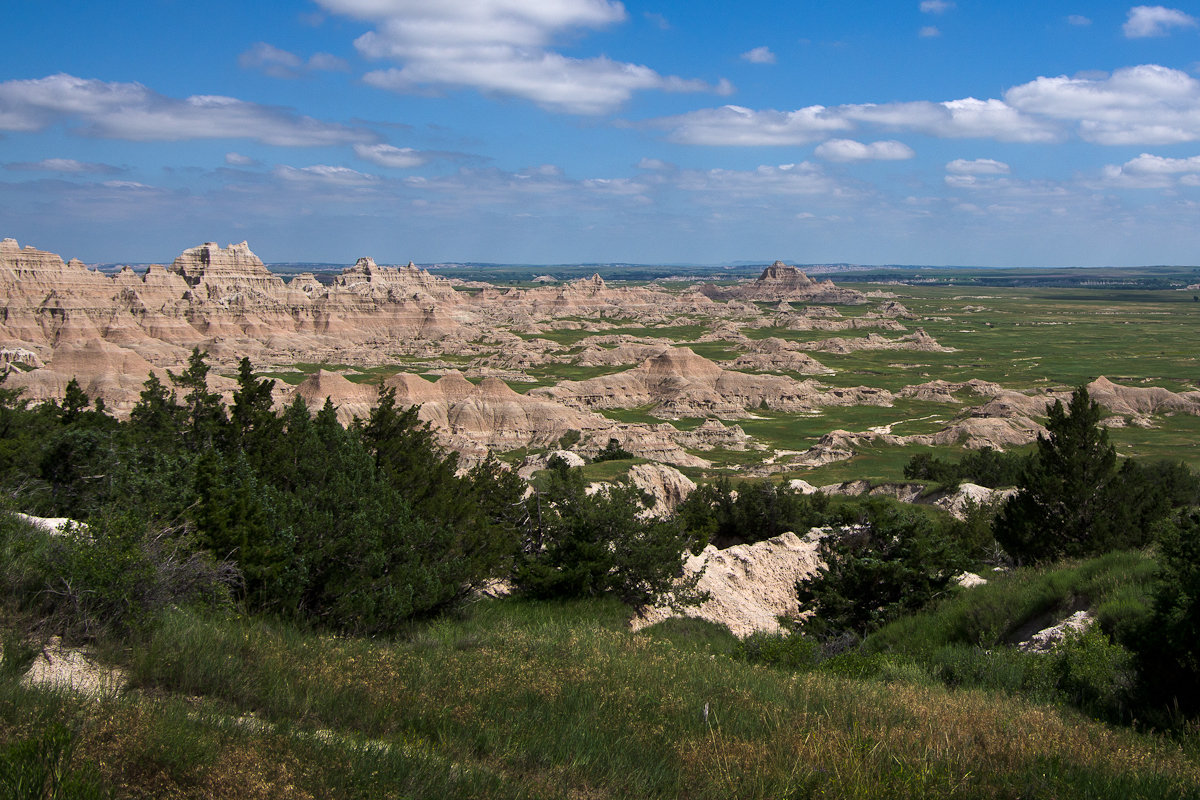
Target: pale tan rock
(1141, 401)
(1048, 639)
(679, 383)
(781, 282)
(539, 461)
(668, 486)
(918, 340)
(750, 586)
(969, 494)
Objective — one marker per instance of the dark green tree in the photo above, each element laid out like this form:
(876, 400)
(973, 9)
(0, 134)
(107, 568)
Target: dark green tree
(254, 427)
(1168, 647)
(612, 452)
(585, 545)
(1069, 500)
(74, 403)
(716, 513)
(894, 561)
(204, 409)
(410, 460)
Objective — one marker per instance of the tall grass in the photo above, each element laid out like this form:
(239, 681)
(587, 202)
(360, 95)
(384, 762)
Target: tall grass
(560, 700)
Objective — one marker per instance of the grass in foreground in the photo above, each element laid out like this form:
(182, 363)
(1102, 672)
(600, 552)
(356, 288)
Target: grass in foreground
(517, 699)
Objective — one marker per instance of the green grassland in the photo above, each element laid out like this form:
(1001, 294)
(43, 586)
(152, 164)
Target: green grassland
(517, 699)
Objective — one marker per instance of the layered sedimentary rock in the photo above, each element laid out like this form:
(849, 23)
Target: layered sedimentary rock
(777, 355)
(679, 383)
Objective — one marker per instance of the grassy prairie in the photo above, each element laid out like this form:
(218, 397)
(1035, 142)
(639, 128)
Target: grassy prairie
(515, 699)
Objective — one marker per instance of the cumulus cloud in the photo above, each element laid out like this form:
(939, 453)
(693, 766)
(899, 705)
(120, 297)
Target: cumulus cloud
(759, 55)
(929, 32)
(978, 166)
(503, 47)
(1078, 19)
(735, 125)
(1149, 171)
(1147, 164)
(283, 64)
(386, 155)
(64, 166)
(1147, 104)
(133, 112)
(936, 6)
(845, 150)
(1146, 21)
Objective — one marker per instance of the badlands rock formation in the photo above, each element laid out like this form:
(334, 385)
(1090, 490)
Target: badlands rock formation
(679, 383)
(918, 340)
(782, 283)
(62, 321)
(777, 355)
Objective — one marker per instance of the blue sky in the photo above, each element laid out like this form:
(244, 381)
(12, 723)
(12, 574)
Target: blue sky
(550, 131)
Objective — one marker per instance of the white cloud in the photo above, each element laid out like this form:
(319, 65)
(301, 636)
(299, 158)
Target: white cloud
(239, 160)
(935, 6)
(1152, 172)
(1148, 164)
(386, 155)
(1079, 19)
(325, 174)
(849, 150)
(503, 47)
(1145, 21)
(978, 166)
(735, 125)
(65, 166)
(929, 32)
(955, 119)
(1146, 104)
(133, 112)
(759, 55)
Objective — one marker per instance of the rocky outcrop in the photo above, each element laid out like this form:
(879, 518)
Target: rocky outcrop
(969, 495)
(679, 383)
(713, 434)
(918, 340)
(539, 461)
(749, 586)
(777, 355)
(1142, 401)
(666, 485)
(781, 282)
(1048, 639)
